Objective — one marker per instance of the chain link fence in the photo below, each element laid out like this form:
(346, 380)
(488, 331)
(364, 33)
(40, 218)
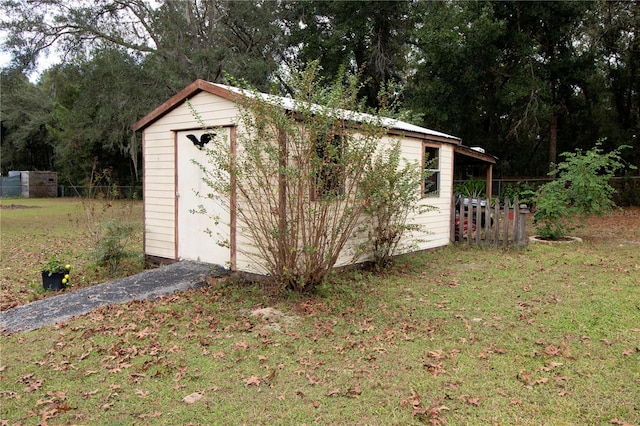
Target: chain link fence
(112, 191)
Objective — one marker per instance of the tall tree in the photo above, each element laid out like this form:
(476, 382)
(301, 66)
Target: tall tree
(187, 39)
(26, 111)
(366, 37)
(123, 58)
(559, 58)
(501, 74)
(94, 111)
(619, 40)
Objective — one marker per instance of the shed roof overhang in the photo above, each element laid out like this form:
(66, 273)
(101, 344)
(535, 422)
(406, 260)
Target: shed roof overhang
(467, 156)
(470, 156)
(177, 99)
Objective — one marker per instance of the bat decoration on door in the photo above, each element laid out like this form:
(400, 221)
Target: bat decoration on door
(204, 139)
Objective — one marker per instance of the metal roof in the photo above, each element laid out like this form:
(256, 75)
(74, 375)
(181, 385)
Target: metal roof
(358, 117)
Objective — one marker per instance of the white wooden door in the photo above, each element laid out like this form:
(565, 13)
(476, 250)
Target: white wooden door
(194, 242)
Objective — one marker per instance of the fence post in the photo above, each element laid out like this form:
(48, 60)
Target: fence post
(469, 220)
(505, 227)
(478, 220)
(516, 220)
(452, 234)
(496, 228)
(523, 226)
(487, 220)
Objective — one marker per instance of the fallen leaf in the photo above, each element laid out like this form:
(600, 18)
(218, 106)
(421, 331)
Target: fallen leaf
(474, 401)
(150, 415)
(253, 380)
(89, 394)
(192, 398)
(333, 392)
(142, 394)
(551, 366)
(25, 378)
(33, 386)
(435, 354)
(242, 345)
(269, 377)
(63, 408)
(354, 391)
(619, 422)
(311, 380)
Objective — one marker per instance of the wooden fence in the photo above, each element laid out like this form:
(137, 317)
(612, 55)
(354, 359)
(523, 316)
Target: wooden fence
(501, 224)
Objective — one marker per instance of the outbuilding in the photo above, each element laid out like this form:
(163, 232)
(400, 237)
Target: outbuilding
(171, 180)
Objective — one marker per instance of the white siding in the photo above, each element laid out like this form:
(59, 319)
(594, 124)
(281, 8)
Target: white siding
(435, 223)
(159, 167)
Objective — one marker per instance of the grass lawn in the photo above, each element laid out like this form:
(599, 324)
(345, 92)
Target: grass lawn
(34, 229)
(546, 335)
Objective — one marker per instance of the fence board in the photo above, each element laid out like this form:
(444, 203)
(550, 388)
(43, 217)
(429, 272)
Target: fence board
(477, 222)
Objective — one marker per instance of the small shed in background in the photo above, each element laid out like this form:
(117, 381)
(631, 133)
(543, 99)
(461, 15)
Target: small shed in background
(29, 184)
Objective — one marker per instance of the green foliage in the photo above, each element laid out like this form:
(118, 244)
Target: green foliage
(391, 191)
(581, 189)
(299, 165)
(471, 188)
(492, 72)
(111, 244)
(26, 111)
(109, 237)
(525, 192)
(54, 265)
(367, 37)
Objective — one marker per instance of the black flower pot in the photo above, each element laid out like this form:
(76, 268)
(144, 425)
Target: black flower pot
(53, 281)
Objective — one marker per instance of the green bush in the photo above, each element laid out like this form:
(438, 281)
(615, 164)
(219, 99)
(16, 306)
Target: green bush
(525, 192)
(581, 189)
(298, 174)
(111, 245)
(391, 192)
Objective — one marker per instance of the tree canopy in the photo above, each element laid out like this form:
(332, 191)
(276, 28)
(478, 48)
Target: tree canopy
(525, 80)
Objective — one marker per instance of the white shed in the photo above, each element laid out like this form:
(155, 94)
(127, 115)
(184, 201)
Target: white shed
(171, 180)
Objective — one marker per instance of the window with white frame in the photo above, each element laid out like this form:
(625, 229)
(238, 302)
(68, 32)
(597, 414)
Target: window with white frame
(431, 162)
